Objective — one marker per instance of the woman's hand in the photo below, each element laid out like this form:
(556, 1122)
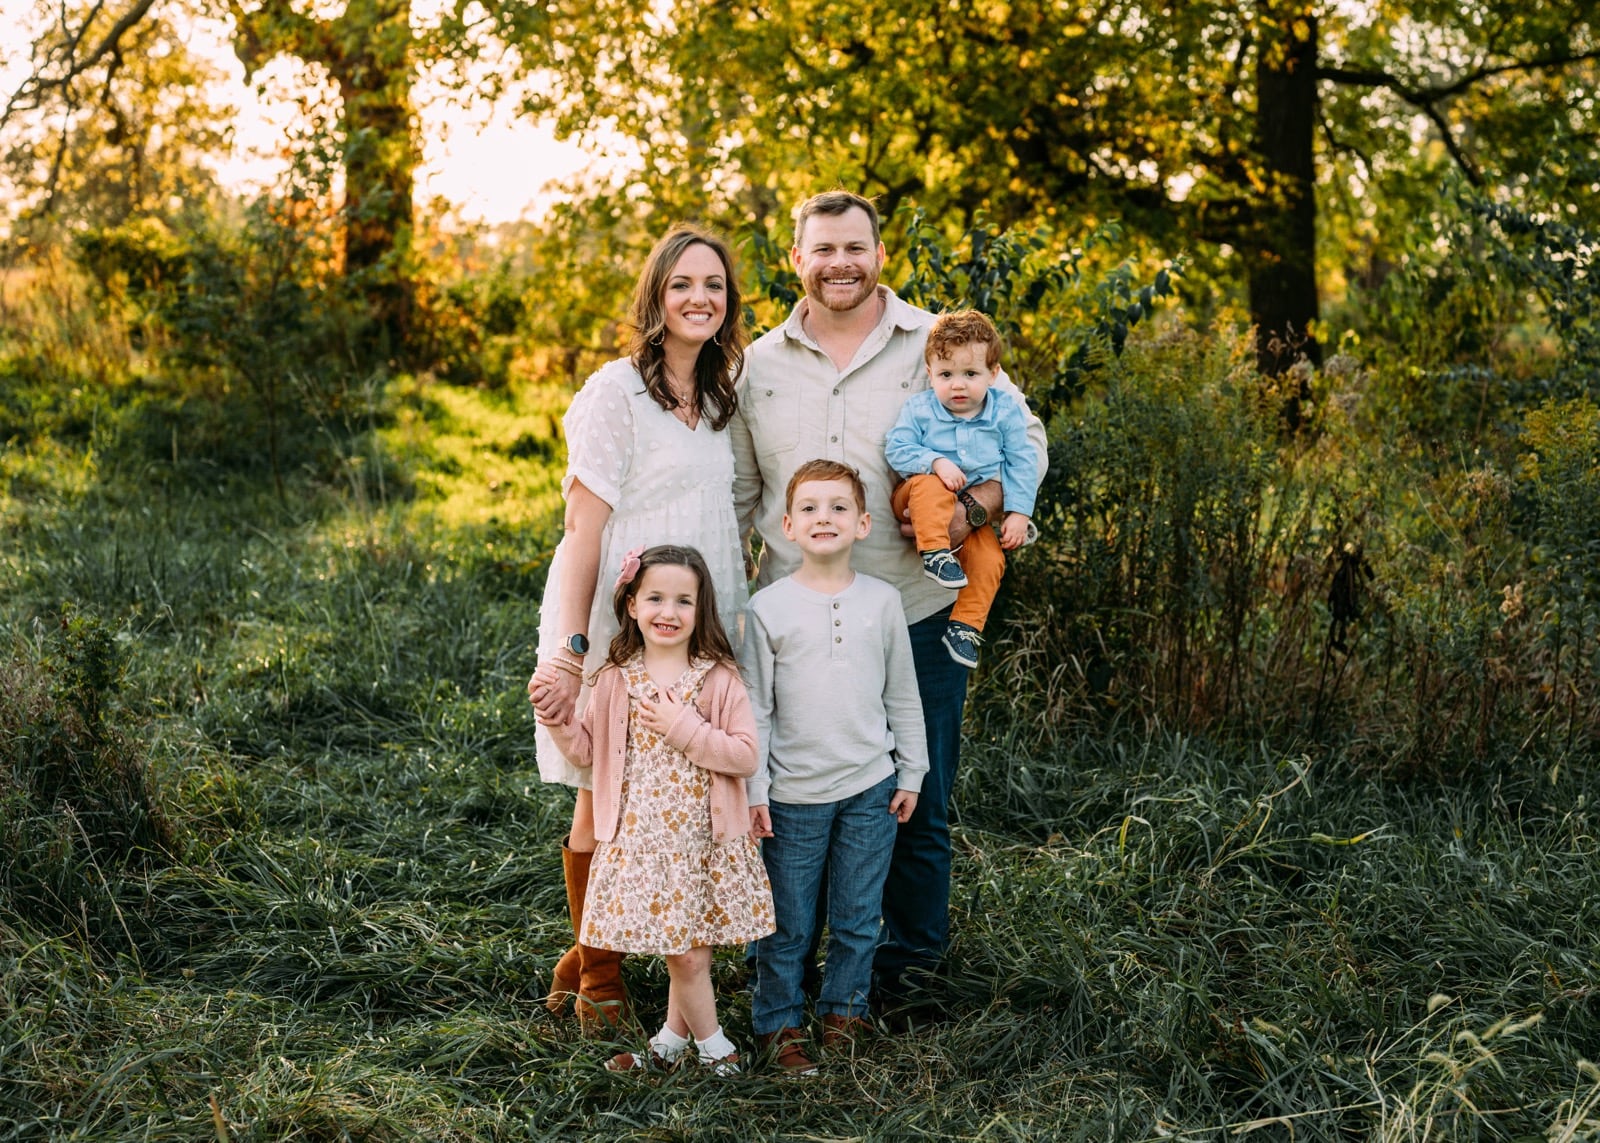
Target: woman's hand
(554, 694)
(660, 714)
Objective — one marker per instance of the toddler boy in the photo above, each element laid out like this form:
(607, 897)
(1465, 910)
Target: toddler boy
(960, 432)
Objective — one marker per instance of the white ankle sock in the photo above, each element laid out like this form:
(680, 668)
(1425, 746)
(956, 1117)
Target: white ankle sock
(716, 1046)
(668, 1044)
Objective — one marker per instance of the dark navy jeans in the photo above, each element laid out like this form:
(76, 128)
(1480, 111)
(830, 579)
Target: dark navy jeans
(916, 896)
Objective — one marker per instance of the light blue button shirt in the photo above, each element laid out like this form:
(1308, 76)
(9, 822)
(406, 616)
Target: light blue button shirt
(993, 443)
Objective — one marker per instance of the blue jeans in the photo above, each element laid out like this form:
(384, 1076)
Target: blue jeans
(916, 896)
(851, 842)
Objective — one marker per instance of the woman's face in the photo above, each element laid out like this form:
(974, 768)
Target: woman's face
(696, 297)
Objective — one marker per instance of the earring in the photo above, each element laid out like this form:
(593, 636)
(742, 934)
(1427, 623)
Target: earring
(716, 339)
(658, 340)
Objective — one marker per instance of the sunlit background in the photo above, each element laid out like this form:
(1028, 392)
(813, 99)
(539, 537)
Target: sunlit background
(490, 165)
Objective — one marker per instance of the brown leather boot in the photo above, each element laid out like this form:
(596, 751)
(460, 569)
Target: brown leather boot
(602, 997)
(565, 979)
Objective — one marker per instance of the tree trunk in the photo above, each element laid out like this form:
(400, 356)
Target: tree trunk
(373, 67)
(1282, 262)
(368, 51)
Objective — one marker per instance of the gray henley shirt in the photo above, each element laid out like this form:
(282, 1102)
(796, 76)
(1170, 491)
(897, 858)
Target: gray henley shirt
(834, 692)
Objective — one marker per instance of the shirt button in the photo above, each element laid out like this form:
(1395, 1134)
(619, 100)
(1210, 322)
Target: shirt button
(769, 392)
(836, 392)
(836, 605)
(834, 438)
(837, 639)
(838, 622)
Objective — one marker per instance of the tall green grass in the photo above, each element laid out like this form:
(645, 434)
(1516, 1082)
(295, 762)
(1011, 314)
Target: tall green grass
(346, 932)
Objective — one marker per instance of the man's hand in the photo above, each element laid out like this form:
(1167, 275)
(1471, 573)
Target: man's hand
(760, 822)
(901, 805)
(1013, 531)
(950, 474)
(989, 494)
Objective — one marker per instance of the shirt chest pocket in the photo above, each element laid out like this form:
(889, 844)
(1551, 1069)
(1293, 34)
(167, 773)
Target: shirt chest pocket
(886, 402)
(774, 414)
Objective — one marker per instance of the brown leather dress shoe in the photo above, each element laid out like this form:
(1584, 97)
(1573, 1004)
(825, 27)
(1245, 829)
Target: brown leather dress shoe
(787, 1049)
(843, 1033)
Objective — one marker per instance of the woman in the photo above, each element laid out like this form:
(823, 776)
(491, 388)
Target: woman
(648, 462)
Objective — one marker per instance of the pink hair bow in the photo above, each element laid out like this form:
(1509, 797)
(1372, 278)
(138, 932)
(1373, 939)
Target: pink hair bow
(630, 567)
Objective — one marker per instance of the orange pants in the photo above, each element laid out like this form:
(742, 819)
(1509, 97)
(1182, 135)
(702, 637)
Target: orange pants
(981, 557)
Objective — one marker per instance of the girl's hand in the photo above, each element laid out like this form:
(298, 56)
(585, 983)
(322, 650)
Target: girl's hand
(901, 805)
(662, 713)
(760, 822)
(554, 694)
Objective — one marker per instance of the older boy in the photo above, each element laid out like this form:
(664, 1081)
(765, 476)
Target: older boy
(842, 753)
(957, 433)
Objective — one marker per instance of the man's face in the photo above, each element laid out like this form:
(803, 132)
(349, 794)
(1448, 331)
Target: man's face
(837, 260)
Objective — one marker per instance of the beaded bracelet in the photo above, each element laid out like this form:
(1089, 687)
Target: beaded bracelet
(566, 665)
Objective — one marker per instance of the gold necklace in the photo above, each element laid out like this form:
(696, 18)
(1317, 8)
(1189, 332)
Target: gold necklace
(687, 409)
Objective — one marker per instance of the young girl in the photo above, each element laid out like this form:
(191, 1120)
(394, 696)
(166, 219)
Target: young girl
(671, 737)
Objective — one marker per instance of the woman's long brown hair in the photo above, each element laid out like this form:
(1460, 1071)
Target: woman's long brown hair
(721, 358)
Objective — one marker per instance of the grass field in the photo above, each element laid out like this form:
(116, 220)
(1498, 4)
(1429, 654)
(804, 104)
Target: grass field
(1156, 937)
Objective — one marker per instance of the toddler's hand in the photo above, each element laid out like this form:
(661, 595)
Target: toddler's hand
(659, 715)
(1013, 531)
(901, 805)
(950, 474)
(760, 822)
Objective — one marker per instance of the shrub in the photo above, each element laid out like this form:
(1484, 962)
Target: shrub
(77, 804)
(1176, 576)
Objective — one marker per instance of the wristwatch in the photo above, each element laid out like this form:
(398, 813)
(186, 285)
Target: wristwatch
(577, 644)
(977, 514)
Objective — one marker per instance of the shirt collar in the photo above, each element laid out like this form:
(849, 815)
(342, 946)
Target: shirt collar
(897, 314)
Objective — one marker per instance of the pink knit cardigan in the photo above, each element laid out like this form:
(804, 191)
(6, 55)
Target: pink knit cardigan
(717, 732)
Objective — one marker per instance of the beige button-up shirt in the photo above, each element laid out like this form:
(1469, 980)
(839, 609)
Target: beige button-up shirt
(795, 406)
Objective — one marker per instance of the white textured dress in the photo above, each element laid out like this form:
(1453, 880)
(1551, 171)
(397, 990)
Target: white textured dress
(666, 484)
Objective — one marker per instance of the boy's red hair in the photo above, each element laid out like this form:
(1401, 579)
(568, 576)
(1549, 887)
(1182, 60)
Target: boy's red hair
(963, 327)
(821, 469)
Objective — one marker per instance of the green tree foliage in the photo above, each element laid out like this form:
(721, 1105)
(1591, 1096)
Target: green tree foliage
(1490, 308)
(96, 138)
(1200, 125)
(371, 50)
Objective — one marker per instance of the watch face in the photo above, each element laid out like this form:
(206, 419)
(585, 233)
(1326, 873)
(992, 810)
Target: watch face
(578, 644)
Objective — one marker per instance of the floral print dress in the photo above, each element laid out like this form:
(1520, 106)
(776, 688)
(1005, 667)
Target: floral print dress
(663, 885)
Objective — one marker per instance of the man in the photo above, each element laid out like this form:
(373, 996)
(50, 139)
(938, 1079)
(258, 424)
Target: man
(829, 383)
